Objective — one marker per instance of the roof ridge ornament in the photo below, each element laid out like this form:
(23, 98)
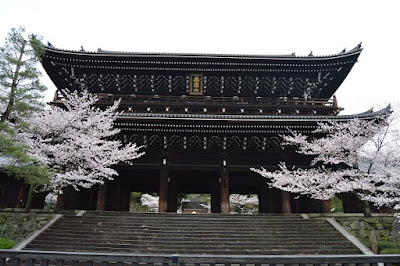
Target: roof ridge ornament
(355, 49)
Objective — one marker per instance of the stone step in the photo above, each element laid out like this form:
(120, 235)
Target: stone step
(151, 223)
(187, 243)
(170, 239)
(274, 251)
(182, 245)
(127, 229)
(192, 234)
(190, 246)
(201, 225)
(152, 233)
(185, 223)
(194, 218)
(160, 233)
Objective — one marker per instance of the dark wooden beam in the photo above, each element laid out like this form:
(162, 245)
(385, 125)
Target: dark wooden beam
(224, 190)
(101, 197)
(286, 207)
(163, 193)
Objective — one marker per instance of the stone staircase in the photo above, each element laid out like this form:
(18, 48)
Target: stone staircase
(192, 234)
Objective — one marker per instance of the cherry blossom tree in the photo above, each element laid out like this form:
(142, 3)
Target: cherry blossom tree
(243, 204)
(357, 156)
(150, 201)
(76, 141)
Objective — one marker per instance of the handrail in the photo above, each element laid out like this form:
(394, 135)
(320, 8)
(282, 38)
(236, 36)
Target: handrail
(73, 258)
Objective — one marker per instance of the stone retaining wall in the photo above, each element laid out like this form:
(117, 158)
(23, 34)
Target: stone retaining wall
(16, 225)
(362, 227)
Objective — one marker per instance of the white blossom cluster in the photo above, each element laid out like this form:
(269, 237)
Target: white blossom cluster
(150, 201)
(76, 141)
(360, 156)
(244, 204)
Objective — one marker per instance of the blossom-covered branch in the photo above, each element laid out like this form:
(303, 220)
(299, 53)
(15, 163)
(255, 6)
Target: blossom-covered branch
(355, 156)
(76, 142)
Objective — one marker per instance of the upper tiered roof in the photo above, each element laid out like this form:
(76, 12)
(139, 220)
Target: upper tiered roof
(217, 75)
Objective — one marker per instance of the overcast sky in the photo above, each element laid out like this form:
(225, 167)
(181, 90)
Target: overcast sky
(233, 27)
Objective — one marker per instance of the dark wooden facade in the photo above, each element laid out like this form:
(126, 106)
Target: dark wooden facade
(14, 193)
(204, 120)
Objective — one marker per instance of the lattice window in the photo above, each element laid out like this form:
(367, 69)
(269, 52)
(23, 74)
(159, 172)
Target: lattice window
(298, 87)
(95, 83)
(175, 142)
(231, 86)
(111, 84)
(234, 143)
(161, 85)
(134, 138)
(155, 143)
(248, 87)
(264, 87)
(215, 143)
(254, 144)
(282, 87)
(144, 84)
(195, 143)
(214, 86)
(127, 84)
(273, 144)
(178, 85)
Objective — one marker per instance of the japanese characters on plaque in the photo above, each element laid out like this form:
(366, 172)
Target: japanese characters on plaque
(196, 82)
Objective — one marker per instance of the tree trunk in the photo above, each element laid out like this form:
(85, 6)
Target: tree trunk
(29, 200)
(367, 209)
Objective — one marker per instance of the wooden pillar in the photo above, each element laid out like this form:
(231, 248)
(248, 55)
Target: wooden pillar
(163, 193)
(326, 206)
(172, 205)
(127, 204)
(224, 190)
(116, 203)
(101, 197)
(286, 208)
(125, 198)
(263, 204)
(92, 199)
(216, 199)
(20, 198)
(61, 199)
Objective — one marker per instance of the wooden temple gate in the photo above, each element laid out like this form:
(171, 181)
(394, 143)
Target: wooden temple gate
(203, 120)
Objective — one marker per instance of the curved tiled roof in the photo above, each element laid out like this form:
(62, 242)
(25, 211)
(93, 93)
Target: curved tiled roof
(224, 75)
(344, 53)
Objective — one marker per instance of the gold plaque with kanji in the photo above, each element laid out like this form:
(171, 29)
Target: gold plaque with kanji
(196, 84)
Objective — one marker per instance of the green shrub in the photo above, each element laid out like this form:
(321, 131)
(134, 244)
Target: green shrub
(386, 245)
(6, 243)
(3, 219)
(367, 244)
(336, 205)
(390, 251)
